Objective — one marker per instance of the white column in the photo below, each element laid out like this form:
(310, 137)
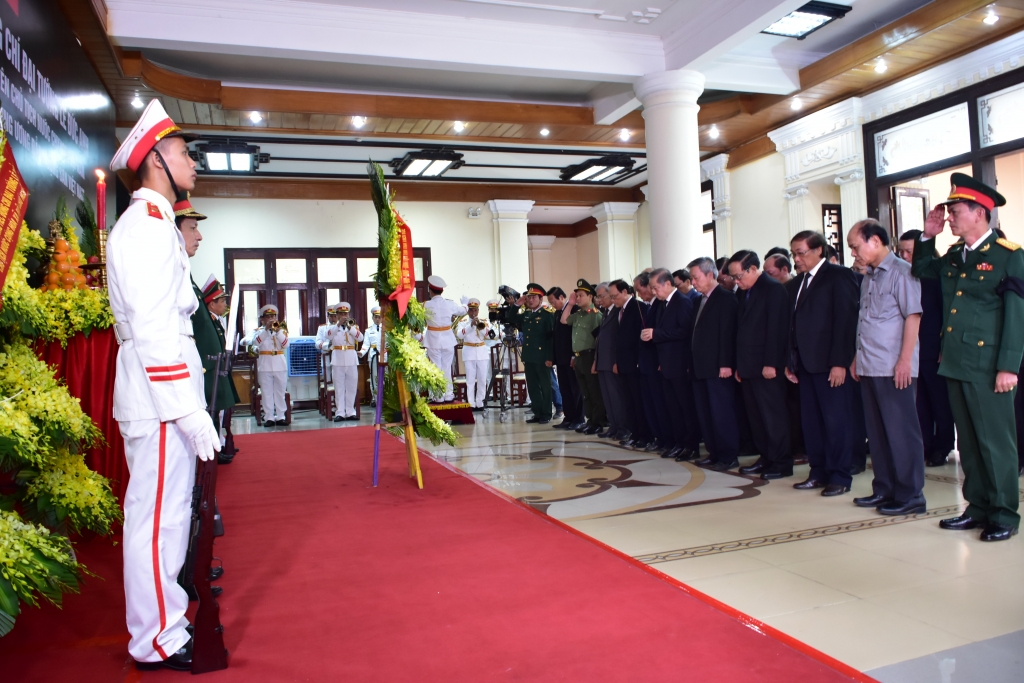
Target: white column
(643, 234)
(673, 163)
(715, 169)
(511, 247)
(541, 268)
(853, 193)
(616, 240)
(801, 209)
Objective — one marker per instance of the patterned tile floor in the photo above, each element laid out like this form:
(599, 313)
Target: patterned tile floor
(896, 597)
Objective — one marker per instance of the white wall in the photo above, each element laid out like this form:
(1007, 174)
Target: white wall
(643, 231)
(462, 248)
(588, 260)
(760, 217)
(564, 264)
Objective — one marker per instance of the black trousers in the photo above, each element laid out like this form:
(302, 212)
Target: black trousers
(895, 439)
(716, 408)
(590, 387)
(631, 390)
(683, 411)
(765, 400)
(656, 408)
(572, 399)
(826, 415)
(858, 427)
(796, 429)
(938, 434)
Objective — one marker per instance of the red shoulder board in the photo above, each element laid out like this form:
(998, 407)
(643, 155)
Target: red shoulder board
(154, 210)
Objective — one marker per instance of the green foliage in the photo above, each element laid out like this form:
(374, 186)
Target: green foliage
(87, 219)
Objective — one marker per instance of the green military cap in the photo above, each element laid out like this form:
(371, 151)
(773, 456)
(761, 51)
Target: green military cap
(964, 188)
(584, 286)
(534, 288)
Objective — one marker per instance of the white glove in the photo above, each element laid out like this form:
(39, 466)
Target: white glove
(464, 299)
(199, 430)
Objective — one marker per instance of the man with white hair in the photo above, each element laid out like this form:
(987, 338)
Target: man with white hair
(439, 339)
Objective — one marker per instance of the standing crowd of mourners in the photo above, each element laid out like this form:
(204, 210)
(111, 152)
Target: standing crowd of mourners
(795, 356)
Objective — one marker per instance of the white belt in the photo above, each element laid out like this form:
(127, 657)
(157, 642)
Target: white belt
(123, 331)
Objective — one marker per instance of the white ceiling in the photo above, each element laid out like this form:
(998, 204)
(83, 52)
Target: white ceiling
(558, 215)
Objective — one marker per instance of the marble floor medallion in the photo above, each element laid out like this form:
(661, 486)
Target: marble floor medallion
(575, 481)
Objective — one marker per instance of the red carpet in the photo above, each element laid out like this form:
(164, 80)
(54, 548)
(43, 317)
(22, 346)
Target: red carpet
(328, 579)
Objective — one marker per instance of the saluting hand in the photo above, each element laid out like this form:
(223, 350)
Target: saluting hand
(1005, 381)
(935, 221)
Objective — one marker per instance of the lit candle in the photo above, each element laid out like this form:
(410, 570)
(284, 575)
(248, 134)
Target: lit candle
(101, 200)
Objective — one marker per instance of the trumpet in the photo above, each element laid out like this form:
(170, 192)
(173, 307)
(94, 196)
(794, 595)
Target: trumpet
(350, 323)
(481, 325)
(277, 325)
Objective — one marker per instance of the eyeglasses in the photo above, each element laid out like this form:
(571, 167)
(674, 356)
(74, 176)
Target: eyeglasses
(801, 254)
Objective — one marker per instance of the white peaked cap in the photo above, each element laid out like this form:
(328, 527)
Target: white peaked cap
(436, 282)
(269, 308)
(153, 126)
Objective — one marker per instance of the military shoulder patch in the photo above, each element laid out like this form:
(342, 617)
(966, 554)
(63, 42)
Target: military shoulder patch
(1007, 244)
(154, 210)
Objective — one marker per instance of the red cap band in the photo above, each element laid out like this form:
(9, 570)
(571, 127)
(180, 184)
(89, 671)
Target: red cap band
(146, 143)
(967, 194)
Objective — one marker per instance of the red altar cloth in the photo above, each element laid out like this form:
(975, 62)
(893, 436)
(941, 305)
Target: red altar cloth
(87, 367)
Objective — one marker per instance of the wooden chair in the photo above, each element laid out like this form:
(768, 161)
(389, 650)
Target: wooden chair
(256, 399)
(459, 377)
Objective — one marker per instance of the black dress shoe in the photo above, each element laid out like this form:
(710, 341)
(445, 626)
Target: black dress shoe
(857, 469)
(638, 444)
(580, 427)
(536, 420)
(705, 462)
(998, 532)
(873, 501)
(809, 484)
(592, 430)
(961, 523)
(623, 435)
(936, 461)
(606, 434)
(686, 455)
(756, 468)
(835, 490)
(225, 459)
(181, 660)
(769, 475)
(628, 443)
(672, 452)
(723, 466)
(652, 446)
(564, 424)
(216, 573)
(266, 423)
(912, 508)
(338, 418)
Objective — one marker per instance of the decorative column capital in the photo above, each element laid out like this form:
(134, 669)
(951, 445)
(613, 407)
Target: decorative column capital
(510, 208)
(644, 190)
(540, 242)
(678, 86)
(615, 211)
(792, 193)
(851, 177)
(714, 167)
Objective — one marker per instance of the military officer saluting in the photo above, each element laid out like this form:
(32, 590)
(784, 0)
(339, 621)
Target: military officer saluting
(371, 348)
(538, 327)
(473, 333)
(270, 340)
(982, 279)
(584, 322)
(344, 335)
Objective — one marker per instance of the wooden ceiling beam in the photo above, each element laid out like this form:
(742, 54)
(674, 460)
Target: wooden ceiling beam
(408, 191)
(916, 24)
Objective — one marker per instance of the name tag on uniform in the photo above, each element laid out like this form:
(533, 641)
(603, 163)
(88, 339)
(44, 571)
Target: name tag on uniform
(984, 266)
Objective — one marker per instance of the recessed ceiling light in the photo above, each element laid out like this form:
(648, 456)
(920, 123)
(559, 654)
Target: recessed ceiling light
(545, 132)
(459, 126)
(881, 67)
(607, 174)
(806, 20)
(416, 166)
(240, 161)
(587, 172)
(358, 121)
(137, 102)
(991, 18)
(797, 104)
(255, 117)
(216, 161)
(713, 133)
(624, 135)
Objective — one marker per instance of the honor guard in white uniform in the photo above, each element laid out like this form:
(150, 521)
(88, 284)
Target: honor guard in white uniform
(159, 400)
(474, 333)
(371, 350)
(344, 335)
(270, 340)
(323, 344)
(439, 339)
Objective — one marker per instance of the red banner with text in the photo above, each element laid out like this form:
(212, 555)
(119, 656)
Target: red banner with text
(13, 205)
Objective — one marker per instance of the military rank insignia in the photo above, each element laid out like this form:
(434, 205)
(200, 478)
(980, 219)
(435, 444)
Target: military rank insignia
(154, 210)
(984, 266)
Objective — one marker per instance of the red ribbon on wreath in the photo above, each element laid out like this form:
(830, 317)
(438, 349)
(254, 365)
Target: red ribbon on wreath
(407, 269)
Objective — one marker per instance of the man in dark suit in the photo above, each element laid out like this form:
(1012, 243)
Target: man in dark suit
(572, 397)
(655, 405)
(672, 336)
(629, 313)
(778, 267)
(714, 363)
(822, 346)
(933, 411)
(762, 336)
(683, 284)
(604, 363)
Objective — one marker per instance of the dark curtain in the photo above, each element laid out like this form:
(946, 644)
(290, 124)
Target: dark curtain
(87, 367)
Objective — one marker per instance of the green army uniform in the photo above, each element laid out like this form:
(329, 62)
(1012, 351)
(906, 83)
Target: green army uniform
(982, 334)
(538, 328)
(209, 337)
(584, 323)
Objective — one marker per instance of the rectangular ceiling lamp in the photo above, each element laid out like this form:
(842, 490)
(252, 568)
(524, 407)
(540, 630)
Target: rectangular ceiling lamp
(587, 172)
(217, 161)
(437, 167)
(607, 174)
(803, 22)
(416, 166)
(241, 162)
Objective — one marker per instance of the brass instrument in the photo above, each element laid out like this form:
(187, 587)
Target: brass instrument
(481, 325)
(278, 325)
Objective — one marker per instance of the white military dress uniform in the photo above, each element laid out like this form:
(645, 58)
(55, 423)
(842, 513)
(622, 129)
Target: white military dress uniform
(272, 367)
(323, 344)
(159, 400)
(371, 347)
(476, 356)
(439, 340)
(344, 365)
